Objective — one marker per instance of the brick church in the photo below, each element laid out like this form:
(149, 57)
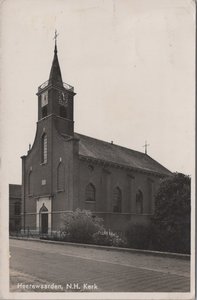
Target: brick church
(65, 170)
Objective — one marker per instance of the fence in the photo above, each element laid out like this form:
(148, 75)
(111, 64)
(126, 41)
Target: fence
(174, 238)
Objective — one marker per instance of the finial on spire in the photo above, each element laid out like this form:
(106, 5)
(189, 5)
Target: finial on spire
(55, 38)
(55, 73)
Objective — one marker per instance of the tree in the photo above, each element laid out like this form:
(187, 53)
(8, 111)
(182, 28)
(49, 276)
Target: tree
(171, 220)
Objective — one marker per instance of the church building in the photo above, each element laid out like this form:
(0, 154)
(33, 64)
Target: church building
(65, 170)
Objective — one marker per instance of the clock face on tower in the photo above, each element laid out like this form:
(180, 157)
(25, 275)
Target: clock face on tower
(63, 98)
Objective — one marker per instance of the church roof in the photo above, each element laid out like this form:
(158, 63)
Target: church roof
(100, 150)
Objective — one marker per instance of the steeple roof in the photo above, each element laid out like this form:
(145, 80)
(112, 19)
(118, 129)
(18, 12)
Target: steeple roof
(55, 76)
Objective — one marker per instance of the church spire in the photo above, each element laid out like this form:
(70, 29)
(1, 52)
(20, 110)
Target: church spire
(55, 76)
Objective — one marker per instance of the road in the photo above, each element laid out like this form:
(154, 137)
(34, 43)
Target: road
(38, 266)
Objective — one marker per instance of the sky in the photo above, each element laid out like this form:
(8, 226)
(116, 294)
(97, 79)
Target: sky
(131, 62)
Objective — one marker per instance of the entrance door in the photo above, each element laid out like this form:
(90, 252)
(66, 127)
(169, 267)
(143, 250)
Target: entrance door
(43, 220)
(44, 223)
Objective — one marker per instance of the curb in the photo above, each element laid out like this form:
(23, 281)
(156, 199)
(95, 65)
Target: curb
(109, 248)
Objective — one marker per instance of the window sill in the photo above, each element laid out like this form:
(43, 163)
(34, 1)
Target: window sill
(44, 163)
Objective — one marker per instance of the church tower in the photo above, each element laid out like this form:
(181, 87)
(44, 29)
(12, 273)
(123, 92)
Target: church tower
(46, 186)
(55, 98)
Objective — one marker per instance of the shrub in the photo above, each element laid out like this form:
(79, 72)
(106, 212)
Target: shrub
(171, 238)
(80, 225)
(108, 239)
(138, 236)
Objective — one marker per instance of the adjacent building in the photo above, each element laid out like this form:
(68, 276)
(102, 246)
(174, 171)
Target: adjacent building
(14, 207)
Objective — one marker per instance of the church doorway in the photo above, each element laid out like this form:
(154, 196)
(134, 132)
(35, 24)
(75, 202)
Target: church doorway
(43, 220)
(43, 215)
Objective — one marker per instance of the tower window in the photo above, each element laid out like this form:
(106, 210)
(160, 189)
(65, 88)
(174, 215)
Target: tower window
(90, 192)
(117, 200)
(44, 149)
(44, 111)
(63, 111)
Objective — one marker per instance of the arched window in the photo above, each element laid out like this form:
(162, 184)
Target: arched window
(60, 177)
(30, 183)
(150, 199)
(44, 148)
(117, 200)
(90, 192)
(63, 111)
(139, 202)
(44, 111)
